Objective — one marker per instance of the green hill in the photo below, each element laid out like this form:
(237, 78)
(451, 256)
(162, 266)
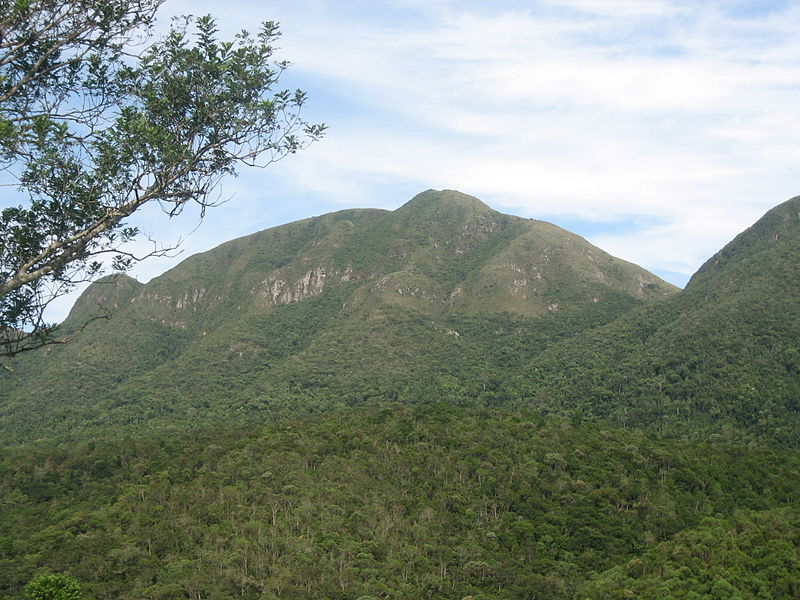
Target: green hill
(719, 359)
(443, 297)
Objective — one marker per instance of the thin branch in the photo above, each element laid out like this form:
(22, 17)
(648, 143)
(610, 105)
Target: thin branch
(14, 347)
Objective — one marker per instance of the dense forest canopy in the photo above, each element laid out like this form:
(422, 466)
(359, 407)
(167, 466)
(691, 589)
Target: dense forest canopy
(397, 502)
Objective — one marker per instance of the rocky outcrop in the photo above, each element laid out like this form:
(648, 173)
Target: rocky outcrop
(283, 289)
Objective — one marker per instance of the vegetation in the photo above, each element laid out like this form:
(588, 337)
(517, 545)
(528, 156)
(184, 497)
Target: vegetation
(392, 501)
(721, 358)
(443, 298)
(93, 127)
(49, 586)
(747, 555)
(439, 402)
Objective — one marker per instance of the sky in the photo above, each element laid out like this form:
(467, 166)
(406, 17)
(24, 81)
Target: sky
(656, 129)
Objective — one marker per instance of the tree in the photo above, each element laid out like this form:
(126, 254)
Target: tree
(98, 118)
(52, 586)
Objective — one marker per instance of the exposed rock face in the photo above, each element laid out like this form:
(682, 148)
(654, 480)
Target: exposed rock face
(191, 298)
(282, 289)
(645, 283)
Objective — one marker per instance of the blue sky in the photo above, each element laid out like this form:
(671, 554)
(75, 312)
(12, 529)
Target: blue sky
(657, 129)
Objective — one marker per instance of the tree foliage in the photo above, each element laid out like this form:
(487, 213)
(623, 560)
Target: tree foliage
(53, 586)
(97, 120)
(395, 502)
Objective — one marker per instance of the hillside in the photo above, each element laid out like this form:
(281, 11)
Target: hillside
(442, 298)
(436, 402)
(399, 502)
(719, 359)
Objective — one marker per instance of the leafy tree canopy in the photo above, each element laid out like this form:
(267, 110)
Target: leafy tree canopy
(99, 118)
(52, 586)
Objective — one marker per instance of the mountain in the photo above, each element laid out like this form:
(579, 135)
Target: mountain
(436, 402)
(719, 359)
(441, 298)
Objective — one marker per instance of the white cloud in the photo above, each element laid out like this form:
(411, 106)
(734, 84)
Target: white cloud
(620, 8)
(537, 96)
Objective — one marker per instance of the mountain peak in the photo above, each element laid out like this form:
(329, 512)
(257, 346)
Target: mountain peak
(437, 200)
(766, 244)
(103, 296)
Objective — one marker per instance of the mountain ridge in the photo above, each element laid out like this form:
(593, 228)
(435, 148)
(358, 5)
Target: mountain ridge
(313, 306)
(471, 307)
(719, 358)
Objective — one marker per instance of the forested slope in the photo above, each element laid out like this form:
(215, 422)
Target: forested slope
(439, 402)
(719, 359)
(397, 502)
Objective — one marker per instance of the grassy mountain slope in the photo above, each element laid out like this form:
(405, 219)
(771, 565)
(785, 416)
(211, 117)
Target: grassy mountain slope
(424, 301)
(720, 358)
